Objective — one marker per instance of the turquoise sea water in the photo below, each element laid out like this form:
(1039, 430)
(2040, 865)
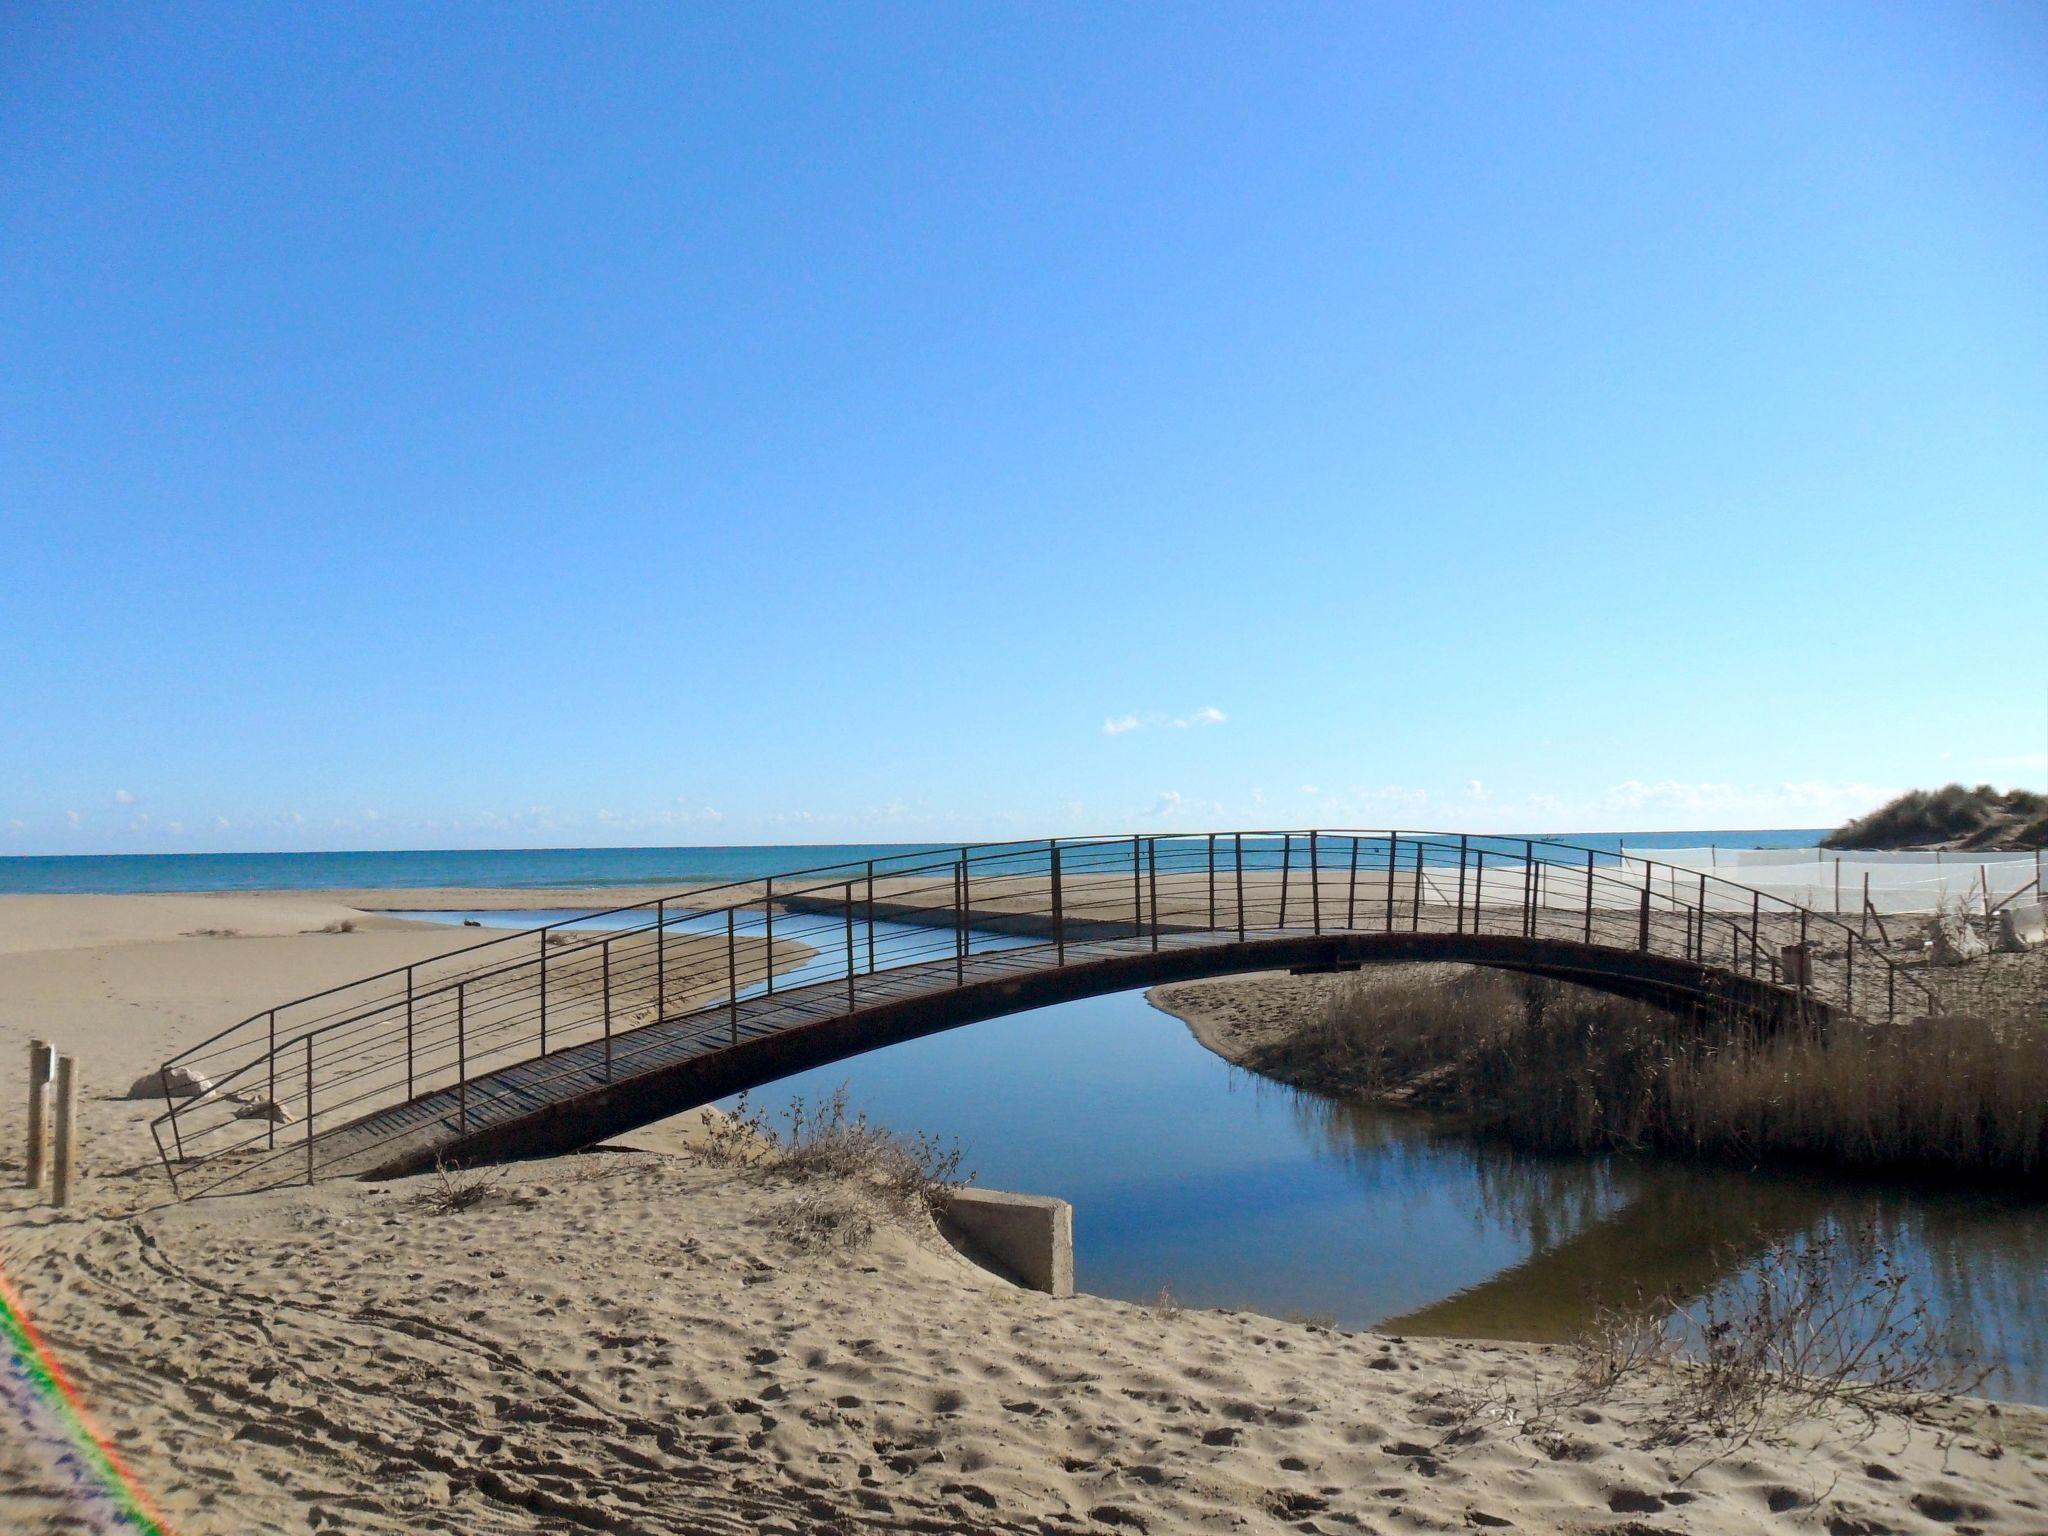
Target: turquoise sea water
(526, 868)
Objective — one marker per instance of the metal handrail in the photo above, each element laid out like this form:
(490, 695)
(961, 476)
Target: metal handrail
(355, 1033)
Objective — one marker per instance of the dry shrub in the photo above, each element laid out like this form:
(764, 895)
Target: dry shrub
(827, 1140)
(1558, 1068)
(737, 1139)
(819, 1217)
(459, 1189)
(345, 925)
(1380, 1030)
(1819, 1325)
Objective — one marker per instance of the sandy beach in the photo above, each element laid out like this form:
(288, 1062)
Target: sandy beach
(629, 1341)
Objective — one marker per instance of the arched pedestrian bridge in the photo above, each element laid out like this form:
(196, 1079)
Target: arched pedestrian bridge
(560, 1036)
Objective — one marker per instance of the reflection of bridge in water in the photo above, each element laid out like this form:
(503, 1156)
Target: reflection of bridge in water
(551, 1039)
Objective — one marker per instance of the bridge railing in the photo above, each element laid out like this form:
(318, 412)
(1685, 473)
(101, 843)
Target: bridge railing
(557, 994)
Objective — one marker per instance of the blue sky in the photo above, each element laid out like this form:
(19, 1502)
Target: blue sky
(498, 425)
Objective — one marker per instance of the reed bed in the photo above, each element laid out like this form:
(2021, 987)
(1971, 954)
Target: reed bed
(1559, 1068)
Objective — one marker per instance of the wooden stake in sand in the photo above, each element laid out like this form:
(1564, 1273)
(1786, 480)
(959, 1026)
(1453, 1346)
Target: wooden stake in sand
(67, 1130)
(38, 1113)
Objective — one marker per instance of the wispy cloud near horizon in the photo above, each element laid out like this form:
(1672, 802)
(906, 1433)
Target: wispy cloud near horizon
(1208, 714)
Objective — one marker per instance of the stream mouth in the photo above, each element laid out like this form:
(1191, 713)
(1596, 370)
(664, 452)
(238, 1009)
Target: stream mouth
(1230, 1190)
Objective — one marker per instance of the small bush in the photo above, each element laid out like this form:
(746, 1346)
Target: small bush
(827, 1140)
(736, 1139)
(1822, 1323)
(459, 1189)
(345, 925)
(822, 1217)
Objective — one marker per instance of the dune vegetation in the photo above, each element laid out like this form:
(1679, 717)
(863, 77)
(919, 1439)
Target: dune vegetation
(1559, 1068)
(1951, 817)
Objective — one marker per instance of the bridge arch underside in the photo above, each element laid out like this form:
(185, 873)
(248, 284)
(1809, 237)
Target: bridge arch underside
(1685, 987)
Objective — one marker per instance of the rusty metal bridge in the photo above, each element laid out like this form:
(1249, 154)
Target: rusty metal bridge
(559, 1036)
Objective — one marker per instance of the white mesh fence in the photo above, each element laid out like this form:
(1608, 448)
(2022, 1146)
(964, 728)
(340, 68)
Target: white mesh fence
(1890, 882)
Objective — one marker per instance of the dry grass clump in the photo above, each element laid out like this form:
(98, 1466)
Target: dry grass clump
(1383, 1032)
(1558, 1068)
(819, 1217)
(1948, 1094)
(914, 1173)
(1824, 1324)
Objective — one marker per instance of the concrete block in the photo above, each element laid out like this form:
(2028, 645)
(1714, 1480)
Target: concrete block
(2021, 928)
(1027, 1239)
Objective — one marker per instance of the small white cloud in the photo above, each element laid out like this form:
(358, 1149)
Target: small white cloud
(125, 797)
(371, 813)
(1310, 789)
(1208, 714)
(1475, 789)
(221, 823)
(74, 818)
(177, 827)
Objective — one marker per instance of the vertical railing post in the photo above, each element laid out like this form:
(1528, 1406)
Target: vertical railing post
(1212, 881)
(849, 947)
(605, 966)
(1415, 913)
(1478, 886)
(543, 993)
(1805, 960)
(1059, 914)
(1463, 851)
(732, 977)
(1393, 841)
(1528, 889)
(1286, 860)
(1643, 926)
(270, 1061)
(1137, 886)
(1589, 895)
(309, 1108)
(768, 915)
(660, 960)
(1755, 921)
(1237, 867)
(1351, 887)
(462, 1054)
(1152, 883)
(960, 919)
(1315, 883)
(871, 917)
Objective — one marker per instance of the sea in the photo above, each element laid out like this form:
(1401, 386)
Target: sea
(533, 868)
